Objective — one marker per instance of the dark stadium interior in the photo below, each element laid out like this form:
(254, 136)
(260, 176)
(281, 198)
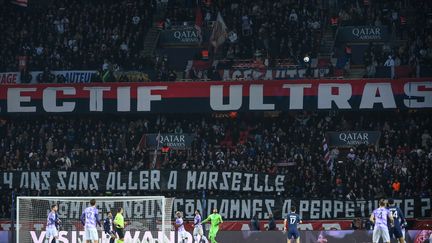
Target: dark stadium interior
(136, 70)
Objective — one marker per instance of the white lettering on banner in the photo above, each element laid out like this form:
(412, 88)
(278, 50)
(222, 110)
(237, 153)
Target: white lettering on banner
(172, 181)
(338, 208)
(412, 90)
(224, 185)
(315, 209)
(191, 180)
(326, 209)
(246, 209)
(236, 181)
(257, 207)
(325, 96)
(94, 176)
(385, 96)
(269, 74)
(123, 99)
(296, 95)
(257, 188)
(224, 208)
(76, 76)
(256, 98)
(145, 97)
(361, 204)
(138, 236)
(61, 185)
(28, 99)
(73, 181)
(34, 180)
(213, 178)
(331, 226)
(235, 208)
(96, 97)
(304, 207)
(69, 76)
(409, 208)
(247, 186)
(279, 183)
(202, 180)
(15, 98)
(234, 97)
(425, 206)
(9, 78)
(269, 205)
(49, 100)
(45, 183)
(349, 209)
(7, 180)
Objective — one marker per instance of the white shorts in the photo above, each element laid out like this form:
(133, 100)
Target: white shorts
(51, 232)
(91, 234)
(380, 233)
(198, 230)
(182, 235)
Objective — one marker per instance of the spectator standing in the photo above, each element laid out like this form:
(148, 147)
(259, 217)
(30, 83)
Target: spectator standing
(390, 62)
(255, 223)
(396, 186)
(271, 223)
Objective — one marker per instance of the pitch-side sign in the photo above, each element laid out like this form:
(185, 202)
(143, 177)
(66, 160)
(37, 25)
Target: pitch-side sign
(183, 97)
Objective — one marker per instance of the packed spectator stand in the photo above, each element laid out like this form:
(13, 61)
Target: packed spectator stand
(110, 36)
(82, 35)
(289, 144)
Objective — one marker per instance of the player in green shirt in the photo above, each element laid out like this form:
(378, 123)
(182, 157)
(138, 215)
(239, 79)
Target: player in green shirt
(119, 225)
(215, 220)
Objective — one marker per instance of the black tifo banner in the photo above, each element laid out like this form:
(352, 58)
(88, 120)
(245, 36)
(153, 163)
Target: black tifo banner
(147, 180)
(235, 208)
(353, 138)
(231, 207)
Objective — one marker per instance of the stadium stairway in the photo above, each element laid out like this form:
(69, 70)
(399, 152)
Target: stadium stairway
(327, 45)
(152, 37)
(355, 72)
(151, 40)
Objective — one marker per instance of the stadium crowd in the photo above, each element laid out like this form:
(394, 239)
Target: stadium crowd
(83, 35)
(411, 23)
(260, 28)
(290, 144)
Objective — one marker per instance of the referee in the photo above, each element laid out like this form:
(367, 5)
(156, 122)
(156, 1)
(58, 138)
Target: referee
(119, 225)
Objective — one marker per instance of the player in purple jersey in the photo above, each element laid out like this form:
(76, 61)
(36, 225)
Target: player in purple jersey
(379, 218)
(51, 227)
(198, 229)
(179, 224)
(89, 218)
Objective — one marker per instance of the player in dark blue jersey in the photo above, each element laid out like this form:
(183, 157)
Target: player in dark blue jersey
(291, 222)
(399, 219)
